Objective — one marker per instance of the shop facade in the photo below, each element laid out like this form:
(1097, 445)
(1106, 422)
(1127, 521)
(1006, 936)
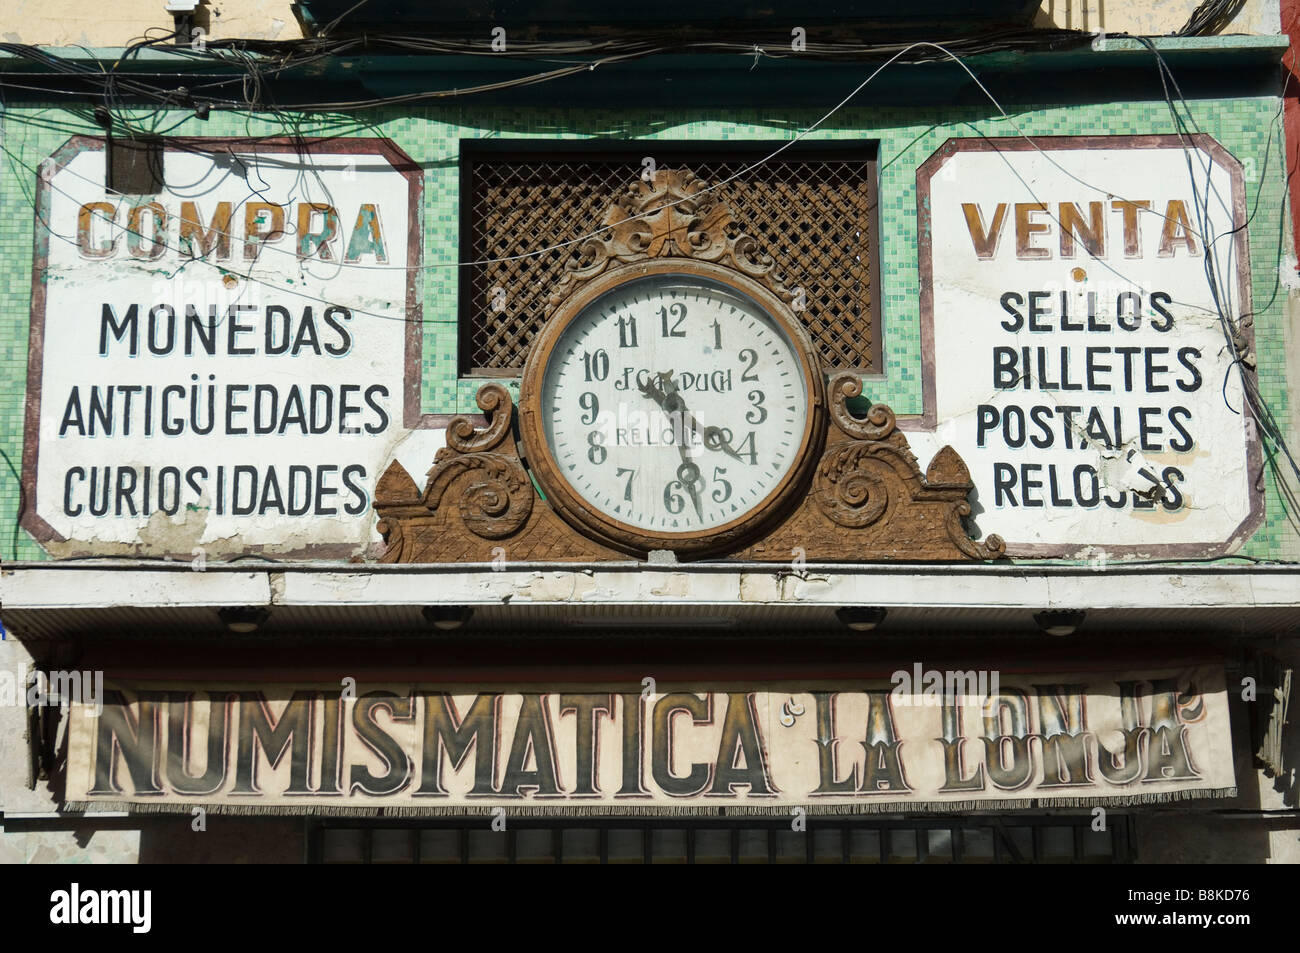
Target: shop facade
(655, 463)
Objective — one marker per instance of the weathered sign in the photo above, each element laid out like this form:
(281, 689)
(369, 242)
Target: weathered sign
(225, 364)
(920, 739)
(1084, 300)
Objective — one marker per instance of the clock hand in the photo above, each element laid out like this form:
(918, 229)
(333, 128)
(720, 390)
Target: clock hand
(669, 398)
(713, 440)
(688, 474)
(665, 394)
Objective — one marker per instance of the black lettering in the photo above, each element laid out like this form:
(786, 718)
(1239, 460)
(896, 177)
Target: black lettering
(661, 746)
(1042, 418)
(1026, 484)
(1094, 368)
(332, 317)
(371, 392)
(136, 738)
(362, 502)
(234, 329)
(986, 420)
(1185, 354)
(1173, 499)
(1153, 369)
(1018, 319)
(446, 732)
(290, 732)
(1092, 496)
(168, 325)
(129, 326)
(1128, 310)
(1158, 301)
(1036, 311)
(194, 327)
(67, 491)
(72, 416)
(277, 318)
(323, 491)
(1147, 429)
(236, 507)
(1004, 481)
(1184, 441)
(232, 408)
(397, 763)
(306, 333)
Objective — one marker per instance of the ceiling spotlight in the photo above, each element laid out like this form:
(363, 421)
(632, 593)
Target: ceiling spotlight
(861, 618)
(447, 618)
(1059, 621)
(244, 619)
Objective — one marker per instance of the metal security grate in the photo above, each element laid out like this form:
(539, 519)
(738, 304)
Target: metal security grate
(814, 212)
(992, 840)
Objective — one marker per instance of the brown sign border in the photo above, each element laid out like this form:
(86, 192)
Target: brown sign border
(412, 418)
(927, 422)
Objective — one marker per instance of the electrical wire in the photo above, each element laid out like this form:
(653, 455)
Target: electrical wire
(256, 85)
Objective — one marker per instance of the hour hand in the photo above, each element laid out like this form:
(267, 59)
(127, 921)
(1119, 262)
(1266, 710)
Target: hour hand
(652, 390)
(661, 389)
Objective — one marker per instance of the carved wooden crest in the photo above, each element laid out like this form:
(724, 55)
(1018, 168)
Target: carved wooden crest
(672, 218)
(865, 499)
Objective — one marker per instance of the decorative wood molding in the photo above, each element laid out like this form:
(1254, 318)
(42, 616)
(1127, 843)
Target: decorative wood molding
(868, 500)
(854, 494)
(672, 218)
(477, 501)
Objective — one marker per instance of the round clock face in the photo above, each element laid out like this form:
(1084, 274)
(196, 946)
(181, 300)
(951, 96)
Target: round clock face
(674, 404)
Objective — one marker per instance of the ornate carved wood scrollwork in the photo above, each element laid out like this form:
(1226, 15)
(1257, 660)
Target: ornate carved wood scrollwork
(672, 218)
(478, 499)
(865, 500)
(868, 500)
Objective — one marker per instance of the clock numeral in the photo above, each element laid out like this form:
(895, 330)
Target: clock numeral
(752, 453)
(750, 357)
(627, 332)
(596, 365)
(677, 311)
(721, 492)
(717, 335)
(627, 490)
(596, 451)
(674, 502)
(589, 402)
(758, 413)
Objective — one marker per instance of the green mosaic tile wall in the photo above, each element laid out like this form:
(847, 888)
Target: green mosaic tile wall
(907, 136)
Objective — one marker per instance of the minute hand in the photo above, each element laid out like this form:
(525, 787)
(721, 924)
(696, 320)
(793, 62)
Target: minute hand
(665, 393)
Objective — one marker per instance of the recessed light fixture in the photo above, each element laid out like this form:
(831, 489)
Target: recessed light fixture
(447, 618)
(861, 618)
(244, 619)
(1059, 621)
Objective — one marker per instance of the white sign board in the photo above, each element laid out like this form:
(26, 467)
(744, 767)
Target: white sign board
(1075, 343)
(226, 364)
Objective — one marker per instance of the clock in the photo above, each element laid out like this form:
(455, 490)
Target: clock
(672, 404)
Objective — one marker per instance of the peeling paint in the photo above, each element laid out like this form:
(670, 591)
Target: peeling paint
(267, 435)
